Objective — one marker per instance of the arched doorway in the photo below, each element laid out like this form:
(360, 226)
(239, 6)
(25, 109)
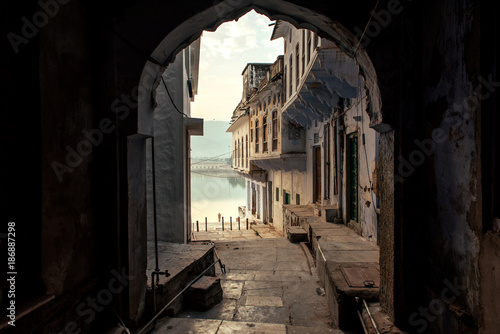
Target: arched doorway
(190, 30)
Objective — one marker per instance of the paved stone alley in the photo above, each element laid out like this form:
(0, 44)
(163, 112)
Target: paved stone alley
(269, 287)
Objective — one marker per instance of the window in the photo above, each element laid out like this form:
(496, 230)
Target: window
(275, 130)
(326, 154)
(297, 199)
(277, 194)
(240, 149)
(286, 197)
(251, 132)
(257, 138)
(297, 72)
(284, 80)
(264, 133)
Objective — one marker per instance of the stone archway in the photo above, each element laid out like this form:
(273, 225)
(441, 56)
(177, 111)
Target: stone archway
(210, 19)
(164, 52)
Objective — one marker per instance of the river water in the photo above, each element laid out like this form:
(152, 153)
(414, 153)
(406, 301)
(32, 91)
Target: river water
(213, 193)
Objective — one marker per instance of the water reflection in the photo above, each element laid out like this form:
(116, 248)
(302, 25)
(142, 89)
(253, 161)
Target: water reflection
(213, 192)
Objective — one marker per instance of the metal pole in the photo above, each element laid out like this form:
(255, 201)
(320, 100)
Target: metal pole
(197, 227)
(247, 223)
(154, 206)
(223, 223)
(231, 223)
(371, 317)
(239, 227)
(206, 226)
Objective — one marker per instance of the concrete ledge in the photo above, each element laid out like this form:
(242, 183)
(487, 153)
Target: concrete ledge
(296, 234)
(184, 263)
(338, 246)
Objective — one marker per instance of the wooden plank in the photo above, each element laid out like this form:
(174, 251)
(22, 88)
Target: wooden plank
(361, 277)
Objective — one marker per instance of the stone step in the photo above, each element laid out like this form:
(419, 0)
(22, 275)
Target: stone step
(204, 293)
(297, 234)
(215, 326)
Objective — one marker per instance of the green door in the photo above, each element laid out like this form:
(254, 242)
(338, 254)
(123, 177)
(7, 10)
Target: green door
(352, 175)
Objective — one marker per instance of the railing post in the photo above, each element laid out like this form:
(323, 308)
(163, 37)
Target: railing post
(206, 225)
(197, 227)
(239, 227)
(223, 223)
(231, 223)
(247, 223)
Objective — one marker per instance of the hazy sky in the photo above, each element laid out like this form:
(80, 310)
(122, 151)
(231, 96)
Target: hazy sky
(224, 55)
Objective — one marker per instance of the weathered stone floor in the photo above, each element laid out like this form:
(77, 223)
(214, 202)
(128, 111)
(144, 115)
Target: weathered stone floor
(268, 288)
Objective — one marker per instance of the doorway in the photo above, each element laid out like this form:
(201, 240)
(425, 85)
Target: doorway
(254, 201)
(317, 174)
(352, 177)
(270, 201)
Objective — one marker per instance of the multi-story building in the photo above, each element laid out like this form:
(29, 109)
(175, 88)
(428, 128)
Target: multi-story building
(173, 127)
(258, 81)
(301, 135)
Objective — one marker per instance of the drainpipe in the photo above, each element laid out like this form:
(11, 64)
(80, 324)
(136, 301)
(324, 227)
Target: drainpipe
(157, 271)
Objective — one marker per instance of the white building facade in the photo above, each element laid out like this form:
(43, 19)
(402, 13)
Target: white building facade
(173, 128)
(309, 137)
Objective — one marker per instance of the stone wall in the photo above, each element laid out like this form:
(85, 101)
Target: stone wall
(85, 64)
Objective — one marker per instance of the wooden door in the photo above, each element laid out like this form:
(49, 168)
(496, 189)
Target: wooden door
(352, 176)
(317, 174)
(254, 201)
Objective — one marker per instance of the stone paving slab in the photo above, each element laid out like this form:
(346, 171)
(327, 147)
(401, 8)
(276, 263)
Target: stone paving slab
(188, 326)
(268, 278)
(264, 301)
(271, 292)
(268, 281)
(266, 314)
(232, 289)
(225, 310)
(231, 327)
(255, 285)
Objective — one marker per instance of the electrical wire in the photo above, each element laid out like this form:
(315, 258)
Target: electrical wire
(366, 27)
(364, 143)
(172, 100)
(150, 59)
